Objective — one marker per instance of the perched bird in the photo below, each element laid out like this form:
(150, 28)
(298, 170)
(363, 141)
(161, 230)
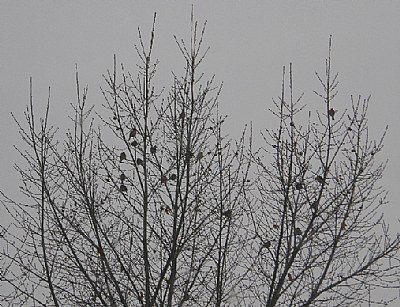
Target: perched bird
(172, 177)
(100, 250)
(134, 143)
(139, 161)
(123, 188)
(164, 179)
(122, 156)
(199, 156)
(290, 277)
(153, 149)
(267, 244)
(297, 231)
(331, 113)
(182, 115)
(314, 205)
(343, 226)
(122, 177)
(275, 226)
(132, 133)
(319, 179)
(299, 186)
(227, 213)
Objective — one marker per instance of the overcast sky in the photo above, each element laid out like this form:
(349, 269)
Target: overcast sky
(250, 42)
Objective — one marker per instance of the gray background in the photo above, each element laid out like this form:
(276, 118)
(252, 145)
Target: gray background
(250, 42)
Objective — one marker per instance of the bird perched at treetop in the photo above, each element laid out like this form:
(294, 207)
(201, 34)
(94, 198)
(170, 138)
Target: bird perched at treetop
(331, 113)
(319, 179)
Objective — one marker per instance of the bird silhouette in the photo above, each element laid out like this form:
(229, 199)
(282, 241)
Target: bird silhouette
(132, 133)
(199, 156)
(319, 179)
(299, 186)
(122, 177)
(153, 149)
(267, 244)
(297, 231)
(122, 157)
(123, 188)
(172, 177)
(331, 113)
(227, 213)
(164, 179)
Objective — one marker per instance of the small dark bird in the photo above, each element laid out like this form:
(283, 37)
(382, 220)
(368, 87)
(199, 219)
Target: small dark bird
(297, 231)
(314, 205)
(227, 213)
(331, 113)
(134, 143)
(182, 115)
(123, 188)
(122, 177)
(299, 186)
(172, 177)
(139, 161)
(153, 149)
(319, 179)
(100, 250)
(122, 157)
(133, 132)
(164, 179)
(290, 277)
(199, 156)
(343, 226)
(267, 244)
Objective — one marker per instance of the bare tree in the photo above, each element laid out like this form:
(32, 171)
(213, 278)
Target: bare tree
(147, 217)
(322, 240)
(149, 203)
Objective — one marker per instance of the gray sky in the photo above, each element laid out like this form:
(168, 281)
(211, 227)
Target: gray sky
(250, 42)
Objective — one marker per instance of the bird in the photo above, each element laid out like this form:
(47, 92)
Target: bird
(319, 179)
(134, 143)
(172, 177)
(314, 205)
(267, 244)
(122, 156)
(122, 177)
(199, 156)
(164, 179)
(299, 186)
(182, 115)
(290, 277)
(331, 113)
(227, 213)
(139, 161)
(132, 133)
(297, 231)
(343, 226)
(153, 149)
(123, 188)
